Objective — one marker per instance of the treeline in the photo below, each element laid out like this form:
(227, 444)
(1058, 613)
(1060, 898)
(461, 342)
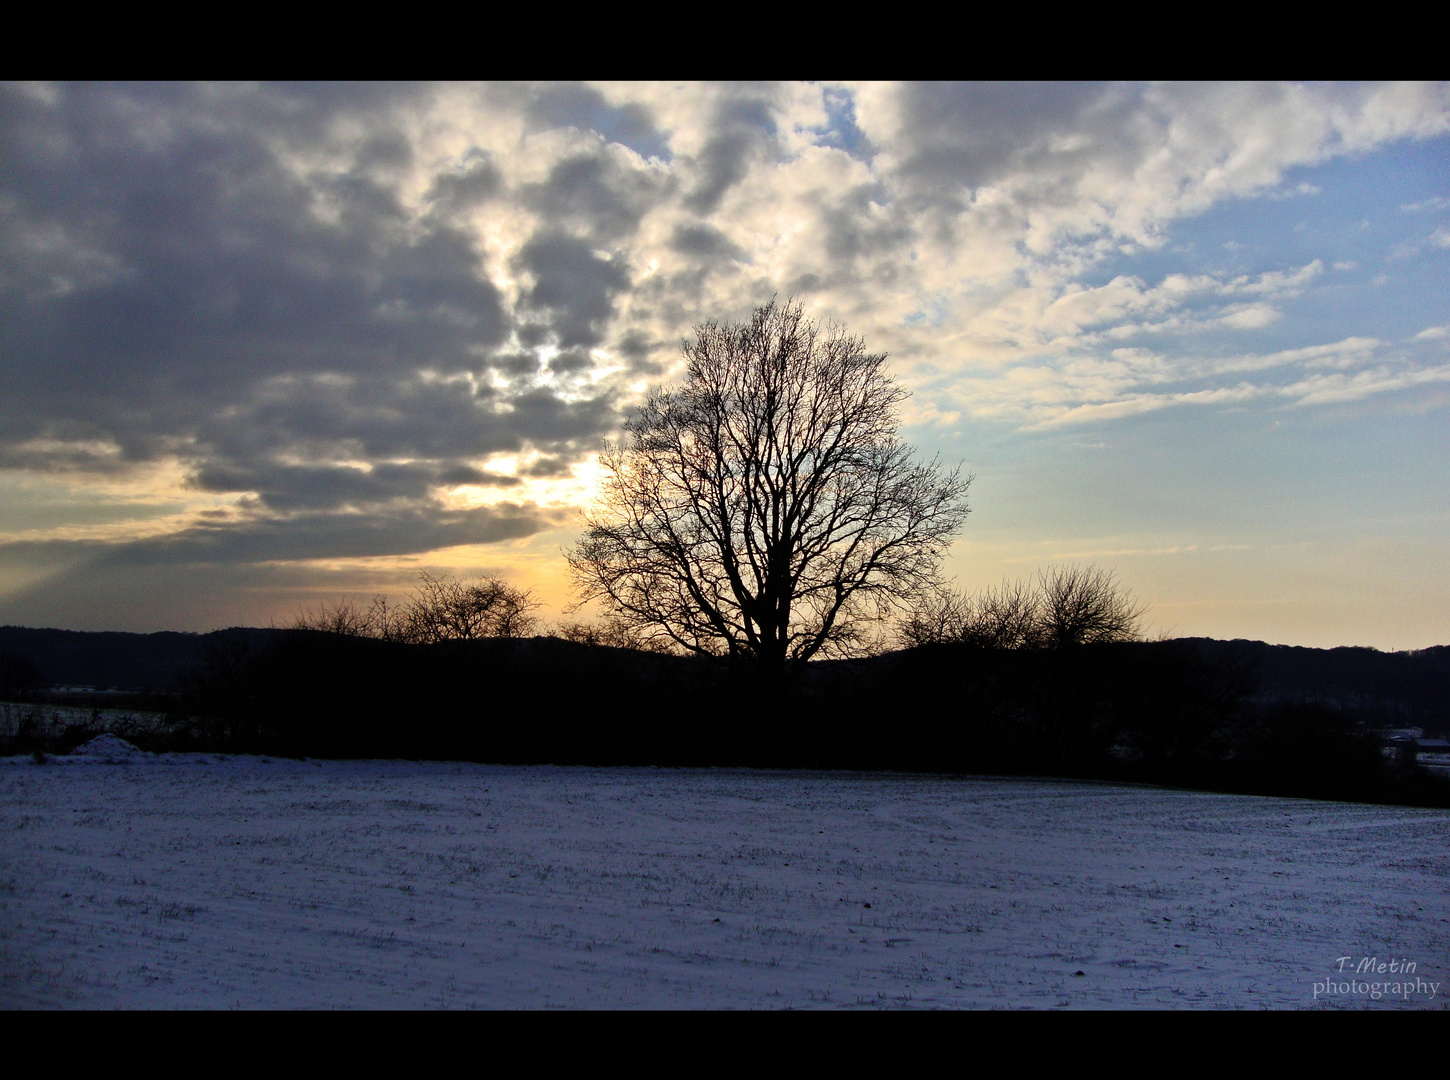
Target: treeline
(1166, 712)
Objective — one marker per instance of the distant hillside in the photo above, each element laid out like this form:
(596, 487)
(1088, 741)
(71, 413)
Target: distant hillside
(1398, 687)
(106, 660)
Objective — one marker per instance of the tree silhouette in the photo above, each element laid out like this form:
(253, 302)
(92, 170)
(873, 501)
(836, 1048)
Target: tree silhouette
(1066, 606)
(1086, 606)
(441, 609)
(766, 508)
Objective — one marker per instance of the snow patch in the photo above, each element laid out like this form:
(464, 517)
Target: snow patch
(108, 746)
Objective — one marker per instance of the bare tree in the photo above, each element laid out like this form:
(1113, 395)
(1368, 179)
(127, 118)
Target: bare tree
(346, 617)
(1070, 605)
(1006, 617)
(612, 633)
(1084, 605)
(767, 508)
(937, 616)
(442, 609)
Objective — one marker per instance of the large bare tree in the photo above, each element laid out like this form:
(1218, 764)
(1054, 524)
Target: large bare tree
(766, 508)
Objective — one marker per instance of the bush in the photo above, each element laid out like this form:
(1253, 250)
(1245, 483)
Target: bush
(1066, 606)
(441, 609)
(20, 679)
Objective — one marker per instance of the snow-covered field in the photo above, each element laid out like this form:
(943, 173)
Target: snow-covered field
(139, 881)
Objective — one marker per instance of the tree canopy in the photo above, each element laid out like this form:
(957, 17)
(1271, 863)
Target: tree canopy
(767, 508)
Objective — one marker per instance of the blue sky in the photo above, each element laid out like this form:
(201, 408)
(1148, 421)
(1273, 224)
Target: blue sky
(1323, 524)
(265, 346)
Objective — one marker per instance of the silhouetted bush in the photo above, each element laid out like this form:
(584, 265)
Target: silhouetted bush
(1065, 607)
(440, 609)
(20, 677)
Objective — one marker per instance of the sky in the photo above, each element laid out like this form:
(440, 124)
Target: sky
(266, 346)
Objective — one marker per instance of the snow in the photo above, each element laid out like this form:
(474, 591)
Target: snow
(136, 880)
(108, 748)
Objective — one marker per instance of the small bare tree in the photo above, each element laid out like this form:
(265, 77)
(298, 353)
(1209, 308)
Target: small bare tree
(611, 633)
(1069, 605)
(766, 508)
(1005, 617)
(442, 609)
(938, 616)
(348, 618)
(1083, 605)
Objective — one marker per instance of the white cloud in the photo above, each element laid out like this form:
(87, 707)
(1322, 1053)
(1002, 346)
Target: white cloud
(1249, 316)
(1132, 381)
(1296, 192)
(1438, 202)
(1341, 387)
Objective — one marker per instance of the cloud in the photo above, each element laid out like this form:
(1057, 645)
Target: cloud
(596, 194)
(742, 131)
(345, 302)
(1438, 202)
(1133, 381)
(704, 242)
(405, 528)
(585, 108)
(574, 287)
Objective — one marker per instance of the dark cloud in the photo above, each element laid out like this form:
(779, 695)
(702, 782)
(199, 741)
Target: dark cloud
(742, 128)
(559, 425)
(960, 136)
(578, 106)
(477, 182)
(520, 364)
(638, 349)
(594, 195)
(703, 241)
(218, 575)
(226, 275)
(405, 528)
(444, 424)
(297, 487)
(181, 271)
(571, 361)
(466, 474)
(548, 466)
(573, 285)
(853, 231)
